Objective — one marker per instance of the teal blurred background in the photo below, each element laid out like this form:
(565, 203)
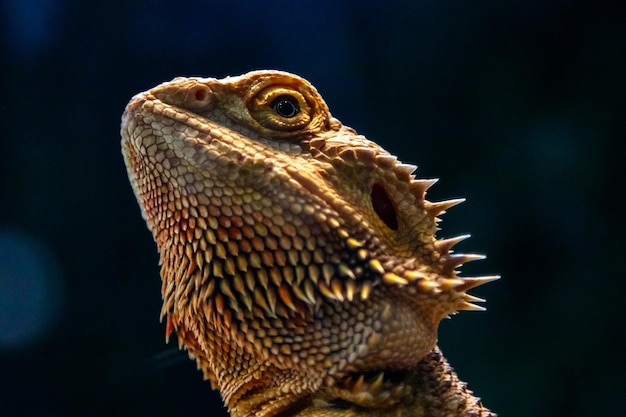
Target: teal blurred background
(518, 106)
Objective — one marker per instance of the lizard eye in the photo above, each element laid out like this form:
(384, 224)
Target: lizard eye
(286, 106)
(280, 108)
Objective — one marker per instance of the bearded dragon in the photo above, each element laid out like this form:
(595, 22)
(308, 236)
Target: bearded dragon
(299, 262)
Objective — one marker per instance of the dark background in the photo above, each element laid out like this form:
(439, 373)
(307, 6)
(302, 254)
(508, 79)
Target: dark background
(518, 106)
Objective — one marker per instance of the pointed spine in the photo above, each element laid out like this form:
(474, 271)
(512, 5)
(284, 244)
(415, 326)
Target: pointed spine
(391, 278)
(453, 261)
(473, 282)
(420, 187)
(440, 207)
(471, 307)
(443, 246)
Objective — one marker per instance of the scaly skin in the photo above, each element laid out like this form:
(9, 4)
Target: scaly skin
(299, 261)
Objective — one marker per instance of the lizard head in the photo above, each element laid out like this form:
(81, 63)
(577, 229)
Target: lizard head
(285, 235)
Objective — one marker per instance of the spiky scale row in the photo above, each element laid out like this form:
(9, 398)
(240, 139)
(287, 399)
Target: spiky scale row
(372, 391)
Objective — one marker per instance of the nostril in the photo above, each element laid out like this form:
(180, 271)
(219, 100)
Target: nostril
(196, 97)
(200, 94)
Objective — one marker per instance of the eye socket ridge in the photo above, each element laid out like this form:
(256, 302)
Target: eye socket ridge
(286, 106)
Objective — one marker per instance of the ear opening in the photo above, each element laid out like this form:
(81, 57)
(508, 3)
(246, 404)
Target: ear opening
(383, 206)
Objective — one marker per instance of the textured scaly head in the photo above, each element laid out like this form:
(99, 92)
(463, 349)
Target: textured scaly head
(286, 238)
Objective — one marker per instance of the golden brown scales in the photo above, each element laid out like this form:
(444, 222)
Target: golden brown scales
(299, 261)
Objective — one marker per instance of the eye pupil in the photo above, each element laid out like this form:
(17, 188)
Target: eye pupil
(286, 106)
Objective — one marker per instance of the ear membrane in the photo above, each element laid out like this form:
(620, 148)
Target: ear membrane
(383, 206)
